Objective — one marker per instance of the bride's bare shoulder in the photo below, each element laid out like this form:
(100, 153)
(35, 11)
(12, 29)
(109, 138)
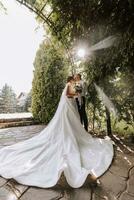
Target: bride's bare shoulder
(68, 84)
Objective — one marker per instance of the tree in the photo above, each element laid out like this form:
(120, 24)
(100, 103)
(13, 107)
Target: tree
(89, 22)
(28, 101)
(7, 100)
(2, 7)
(49, 79)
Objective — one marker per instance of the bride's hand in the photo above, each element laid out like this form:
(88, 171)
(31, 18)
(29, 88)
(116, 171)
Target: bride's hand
(76, 94)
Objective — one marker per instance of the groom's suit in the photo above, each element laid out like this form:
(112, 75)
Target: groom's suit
(81, 105)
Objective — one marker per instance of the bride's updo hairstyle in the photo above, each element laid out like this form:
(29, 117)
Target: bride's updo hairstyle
(70, 78)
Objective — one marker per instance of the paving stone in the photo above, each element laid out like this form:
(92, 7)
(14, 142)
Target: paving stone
(101, 193)
(2, 181)
(18, 188)
(116, 184)
(113, 184)
(130, 158)
(127, 196)
(79, 194)
(130, 188)
(5, 194)
(120, 165)
(10, 136)
(11, 191)
(42, 194)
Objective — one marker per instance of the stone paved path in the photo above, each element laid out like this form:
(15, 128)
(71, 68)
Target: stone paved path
(116, 184)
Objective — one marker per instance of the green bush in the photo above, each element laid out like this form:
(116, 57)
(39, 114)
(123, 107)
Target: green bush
(49, 80)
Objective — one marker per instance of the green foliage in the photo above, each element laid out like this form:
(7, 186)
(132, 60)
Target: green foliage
(123, 128)
(27, 105)
(49, 80)
(32, 2)
(77, 20)
(2, 7)
(7, 100)
(89, 22)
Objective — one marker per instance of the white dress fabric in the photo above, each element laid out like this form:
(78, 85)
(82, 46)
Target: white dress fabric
(63, 146)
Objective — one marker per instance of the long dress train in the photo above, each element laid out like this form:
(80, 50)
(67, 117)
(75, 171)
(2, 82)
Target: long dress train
(63, 146)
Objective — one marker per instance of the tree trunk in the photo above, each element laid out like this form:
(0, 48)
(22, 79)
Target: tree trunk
(108, 120)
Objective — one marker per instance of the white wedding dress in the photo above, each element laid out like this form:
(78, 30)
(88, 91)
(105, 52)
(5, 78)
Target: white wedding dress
(63, 146)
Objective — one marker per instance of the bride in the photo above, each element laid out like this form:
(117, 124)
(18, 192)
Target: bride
(63, 146)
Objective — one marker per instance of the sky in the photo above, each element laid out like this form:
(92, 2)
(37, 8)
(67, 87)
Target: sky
(20, 37)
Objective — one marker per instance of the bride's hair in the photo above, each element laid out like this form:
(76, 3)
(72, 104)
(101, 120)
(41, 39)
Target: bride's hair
(70, 78)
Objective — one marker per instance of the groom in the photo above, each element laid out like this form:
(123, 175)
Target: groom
(80, 100)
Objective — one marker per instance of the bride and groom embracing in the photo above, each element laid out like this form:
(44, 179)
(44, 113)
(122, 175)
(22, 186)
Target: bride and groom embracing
(78, 88)
(64, 146)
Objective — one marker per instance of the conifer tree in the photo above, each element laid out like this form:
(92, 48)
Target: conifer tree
(7, 100)
(49, 81)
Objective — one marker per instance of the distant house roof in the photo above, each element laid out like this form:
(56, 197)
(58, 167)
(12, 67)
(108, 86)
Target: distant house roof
(21, 98)
(22, 94)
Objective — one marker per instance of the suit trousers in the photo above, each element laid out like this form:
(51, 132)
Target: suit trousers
(82, 112)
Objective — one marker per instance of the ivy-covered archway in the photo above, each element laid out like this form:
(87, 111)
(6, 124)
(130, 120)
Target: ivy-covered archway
(44, 12)
(92, 21)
